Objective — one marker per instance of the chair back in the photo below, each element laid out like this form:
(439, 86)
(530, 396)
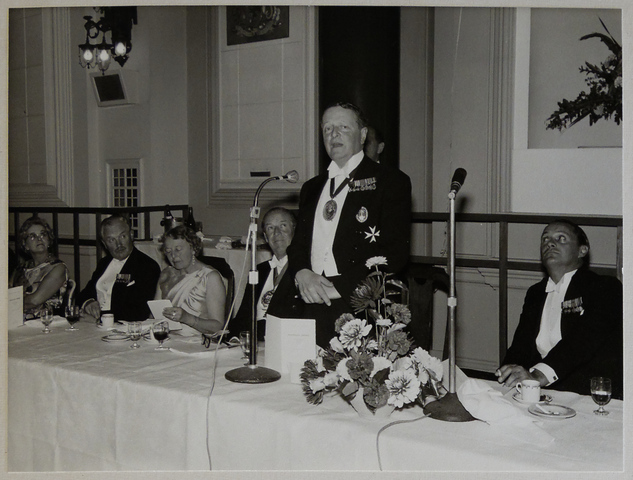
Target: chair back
(222, 266)
(68, 298)
(424, 281)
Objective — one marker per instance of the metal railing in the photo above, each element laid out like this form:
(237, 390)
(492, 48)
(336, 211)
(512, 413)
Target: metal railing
(98, 214)
(502, 262)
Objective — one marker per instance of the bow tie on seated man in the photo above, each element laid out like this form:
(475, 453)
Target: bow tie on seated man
(570, 329)
(275, 292)
(124, 280)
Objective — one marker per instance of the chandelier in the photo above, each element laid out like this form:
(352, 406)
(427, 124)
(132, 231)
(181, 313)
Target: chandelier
(116, 20)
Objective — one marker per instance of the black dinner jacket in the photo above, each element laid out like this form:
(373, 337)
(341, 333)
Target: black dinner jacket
(379, 197)
(129, 301)
(591, 343)
(284, 303)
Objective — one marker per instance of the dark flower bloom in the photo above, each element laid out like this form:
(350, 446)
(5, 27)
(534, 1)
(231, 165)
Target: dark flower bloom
(310, 372)
(342, 320)
(366, 294)
(400, 313)
(376, 395)
(360, 366)
(398, 342)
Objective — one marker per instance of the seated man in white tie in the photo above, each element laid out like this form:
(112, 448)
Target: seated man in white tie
(275, 292)
(570, 328)
(124, 280)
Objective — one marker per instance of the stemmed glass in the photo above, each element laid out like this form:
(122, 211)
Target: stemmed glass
(161, 332)
(46, 318)
(245, 343)
(601, 393)
(72, 317)
(134, 330)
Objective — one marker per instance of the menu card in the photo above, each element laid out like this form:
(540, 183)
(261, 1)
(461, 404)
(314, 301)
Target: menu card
(15, 310)
(289, 343)
(157, 307)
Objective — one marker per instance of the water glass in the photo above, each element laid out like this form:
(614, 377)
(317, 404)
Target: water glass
(46, 318)
(601, 393)
(134, 330)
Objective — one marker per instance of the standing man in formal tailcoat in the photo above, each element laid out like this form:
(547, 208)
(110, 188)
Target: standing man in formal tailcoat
(356, 210)
(571, 325)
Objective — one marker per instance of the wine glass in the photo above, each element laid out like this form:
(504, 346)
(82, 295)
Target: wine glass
(72, 316)
(601, 393)
(161, 332)
(245, 343)
(46, 318)
(134, 330)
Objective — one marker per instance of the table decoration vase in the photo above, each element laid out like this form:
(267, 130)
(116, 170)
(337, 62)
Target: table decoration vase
(371, 362)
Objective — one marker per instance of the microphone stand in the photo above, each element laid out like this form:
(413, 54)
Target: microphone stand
(449, 408)
(253, 373)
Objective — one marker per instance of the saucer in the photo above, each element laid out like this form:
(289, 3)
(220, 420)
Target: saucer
(115, 337)
(551, 410)
(544, 399)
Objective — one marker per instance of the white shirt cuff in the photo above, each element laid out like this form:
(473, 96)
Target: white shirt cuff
(546, 370)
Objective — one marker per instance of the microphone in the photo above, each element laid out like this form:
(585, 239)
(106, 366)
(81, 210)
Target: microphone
(292, 176)
(458, 180)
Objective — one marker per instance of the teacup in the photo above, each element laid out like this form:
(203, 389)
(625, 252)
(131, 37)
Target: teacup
(107, 320)
(530, 390)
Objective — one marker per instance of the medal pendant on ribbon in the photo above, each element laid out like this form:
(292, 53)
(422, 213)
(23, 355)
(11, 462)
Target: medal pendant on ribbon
(329, 210)
(267, 297)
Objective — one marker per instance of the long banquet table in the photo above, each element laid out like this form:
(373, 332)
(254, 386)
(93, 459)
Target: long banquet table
(80, 404)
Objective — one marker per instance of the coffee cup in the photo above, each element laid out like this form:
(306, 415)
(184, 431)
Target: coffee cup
(107, 320)
(530, 390)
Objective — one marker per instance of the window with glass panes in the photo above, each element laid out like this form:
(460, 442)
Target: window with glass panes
(125, 184)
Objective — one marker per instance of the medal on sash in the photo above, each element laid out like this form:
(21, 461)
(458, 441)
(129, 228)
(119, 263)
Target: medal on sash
(329, 210)
(267, 297)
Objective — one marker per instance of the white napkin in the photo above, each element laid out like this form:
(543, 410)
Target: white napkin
(485, 403)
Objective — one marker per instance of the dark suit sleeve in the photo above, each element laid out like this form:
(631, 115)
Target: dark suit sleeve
(585, 335)
(523, 349)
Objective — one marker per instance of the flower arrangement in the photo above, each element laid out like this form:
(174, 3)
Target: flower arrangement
(604, 99)
(373, 358)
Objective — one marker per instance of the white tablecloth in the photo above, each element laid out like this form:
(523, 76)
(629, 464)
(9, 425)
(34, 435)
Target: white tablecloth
(78, 403)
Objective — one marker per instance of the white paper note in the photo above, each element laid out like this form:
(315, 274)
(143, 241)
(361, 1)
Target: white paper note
(16, 311)
(157, 307)
(289, 343)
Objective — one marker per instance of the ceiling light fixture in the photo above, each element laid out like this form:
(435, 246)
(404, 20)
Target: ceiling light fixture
(116, 20)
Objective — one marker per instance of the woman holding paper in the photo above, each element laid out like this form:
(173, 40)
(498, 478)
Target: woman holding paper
(43, 276)
(196, 291)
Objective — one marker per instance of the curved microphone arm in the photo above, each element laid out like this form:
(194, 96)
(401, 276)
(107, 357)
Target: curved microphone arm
(292, 176)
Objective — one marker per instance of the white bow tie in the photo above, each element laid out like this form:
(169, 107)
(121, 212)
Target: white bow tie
(278, 264)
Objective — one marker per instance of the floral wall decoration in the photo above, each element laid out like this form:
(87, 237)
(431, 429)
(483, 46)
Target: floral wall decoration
(247, 24)
(604, 99)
